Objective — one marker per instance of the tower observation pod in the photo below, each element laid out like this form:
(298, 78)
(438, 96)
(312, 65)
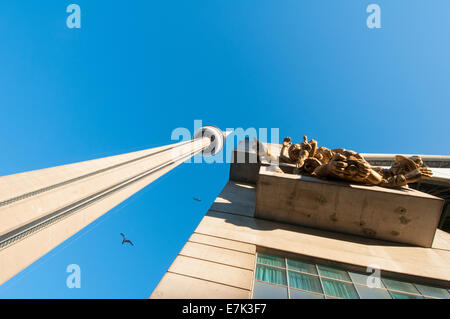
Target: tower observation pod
(40, 209)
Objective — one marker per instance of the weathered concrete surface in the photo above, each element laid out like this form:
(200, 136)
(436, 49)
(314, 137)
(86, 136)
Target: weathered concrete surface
(176, 286)
(411, 263)
(441, 240)
(244, 166)
(400, 215)
(230, 226)
(209, 267)
(237, 198)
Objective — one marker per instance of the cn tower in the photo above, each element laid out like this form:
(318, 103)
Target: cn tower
(40, 209)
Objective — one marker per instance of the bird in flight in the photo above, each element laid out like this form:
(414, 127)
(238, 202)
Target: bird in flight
(126, 240)
(196, 199)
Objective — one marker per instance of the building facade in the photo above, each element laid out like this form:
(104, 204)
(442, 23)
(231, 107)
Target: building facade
(272, 234)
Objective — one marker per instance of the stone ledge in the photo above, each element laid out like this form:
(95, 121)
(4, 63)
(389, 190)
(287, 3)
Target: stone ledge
(401, 215)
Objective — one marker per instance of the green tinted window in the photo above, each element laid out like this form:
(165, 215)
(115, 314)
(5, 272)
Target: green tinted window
(298, 294)
(339, 289)
(333, 273)
(399, 285)
(262, 290)
(433, 291)
(398, 295)
(271, 260)
(279, 277)
(270, 274)
(304, 282)
(302, 266)
(372, 293)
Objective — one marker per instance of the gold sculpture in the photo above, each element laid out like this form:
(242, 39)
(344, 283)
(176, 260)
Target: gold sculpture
(349, 165)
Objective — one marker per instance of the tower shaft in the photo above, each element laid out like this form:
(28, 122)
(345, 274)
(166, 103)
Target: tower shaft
(40, 209)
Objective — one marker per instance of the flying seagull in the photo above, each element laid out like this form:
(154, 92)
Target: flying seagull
(125, 240)
(196, 199)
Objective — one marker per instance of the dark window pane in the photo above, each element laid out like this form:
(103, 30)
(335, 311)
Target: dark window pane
(267, 291)
(433, 291)
(270, 274)
(392, 284)
(297, 294)
(339, 289)
(372, 293)
(302, 266)
(398, 295)
(271, 260)
(364, 279)
(333, 273)
(304, 282)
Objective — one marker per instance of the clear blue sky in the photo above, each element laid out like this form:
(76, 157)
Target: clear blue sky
(138, 69)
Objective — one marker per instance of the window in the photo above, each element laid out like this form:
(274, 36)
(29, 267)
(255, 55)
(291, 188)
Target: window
(279, 277)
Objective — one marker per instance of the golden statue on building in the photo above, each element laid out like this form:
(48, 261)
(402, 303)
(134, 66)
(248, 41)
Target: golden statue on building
(350, 166)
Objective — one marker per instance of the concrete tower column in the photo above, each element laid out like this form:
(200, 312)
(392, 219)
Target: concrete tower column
(40, 209)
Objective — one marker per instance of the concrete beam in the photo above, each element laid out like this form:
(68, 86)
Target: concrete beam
(400, 215)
